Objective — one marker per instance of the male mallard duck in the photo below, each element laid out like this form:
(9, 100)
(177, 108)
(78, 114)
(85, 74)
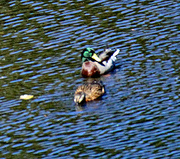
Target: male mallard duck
(88, 92)
(94, 66)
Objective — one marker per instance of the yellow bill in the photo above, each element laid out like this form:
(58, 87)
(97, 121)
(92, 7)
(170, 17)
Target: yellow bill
(95, 57)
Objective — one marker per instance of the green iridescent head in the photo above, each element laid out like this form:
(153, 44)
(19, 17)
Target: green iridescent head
(88, 54)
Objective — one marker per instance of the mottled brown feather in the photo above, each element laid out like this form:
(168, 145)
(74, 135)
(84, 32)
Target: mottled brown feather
(92, 91)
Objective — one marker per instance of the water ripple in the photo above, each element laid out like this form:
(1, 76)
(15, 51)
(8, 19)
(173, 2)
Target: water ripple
(40, 55)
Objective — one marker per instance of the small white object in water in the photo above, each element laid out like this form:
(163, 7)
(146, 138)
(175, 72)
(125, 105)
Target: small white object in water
(26, 96)
(2, 77)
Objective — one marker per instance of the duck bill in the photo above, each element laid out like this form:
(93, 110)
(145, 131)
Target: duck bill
(96, 58)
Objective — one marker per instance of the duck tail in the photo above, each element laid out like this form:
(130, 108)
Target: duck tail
(116, 52)
(113, 57)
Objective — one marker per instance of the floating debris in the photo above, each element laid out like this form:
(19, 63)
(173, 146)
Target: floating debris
(2, 77)
(26, 96)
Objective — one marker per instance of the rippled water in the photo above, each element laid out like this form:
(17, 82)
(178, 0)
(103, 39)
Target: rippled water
(138, 117)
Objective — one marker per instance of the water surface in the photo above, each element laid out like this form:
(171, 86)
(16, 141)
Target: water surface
(41, 41)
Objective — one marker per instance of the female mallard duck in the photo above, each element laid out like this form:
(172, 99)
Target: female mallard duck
(88, 92)
(94, 66)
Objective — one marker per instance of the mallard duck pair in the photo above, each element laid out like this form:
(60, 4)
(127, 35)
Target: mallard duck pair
(94, 66)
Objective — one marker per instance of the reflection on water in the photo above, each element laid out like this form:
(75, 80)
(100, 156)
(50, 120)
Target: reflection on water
(40, 55)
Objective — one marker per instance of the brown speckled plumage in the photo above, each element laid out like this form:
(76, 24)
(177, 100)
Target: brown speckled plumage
(91, 91)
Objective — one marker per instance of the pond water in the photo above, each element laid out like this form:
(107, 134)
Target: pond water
(41, 41)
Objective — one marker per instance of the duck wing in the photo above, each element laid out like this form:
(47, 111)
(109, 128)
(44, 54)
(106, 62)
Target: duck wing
(107, 54)
(95, 91)
(108, 63)
(92, 90)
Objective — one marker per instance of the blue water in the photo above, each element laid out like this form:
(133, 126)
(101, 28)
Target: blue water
(138, 117)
